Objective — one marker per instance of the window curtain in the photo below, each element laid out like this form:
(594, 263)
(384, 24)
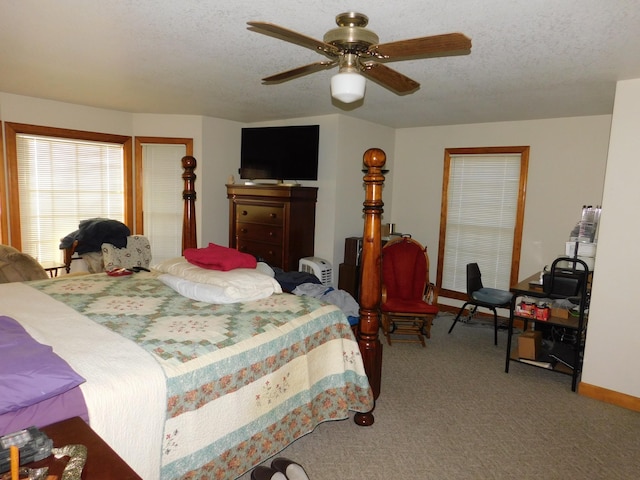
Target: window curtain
(61, 182)
(482, 199)
(162, 198)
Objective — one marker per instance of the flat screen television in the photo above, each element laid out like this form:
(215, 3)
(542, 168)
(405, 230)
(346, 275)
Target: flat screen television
(280, 153)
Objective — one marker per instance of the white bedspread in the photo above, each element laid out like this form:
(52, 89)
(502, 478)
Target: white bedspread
(187, 389)
(117, 364)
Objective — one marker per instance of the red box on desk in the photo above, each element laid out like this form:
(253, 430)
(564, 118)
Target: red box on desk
(526, 309)
(543, 313)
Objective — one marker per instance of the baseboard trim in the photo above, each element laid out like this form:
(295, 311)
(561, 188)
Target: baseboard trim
(609, 396)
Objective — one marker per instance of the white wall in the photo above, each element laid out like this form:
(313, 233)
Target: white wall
(36, 111)
(219, 160)
(356, 137)
(343, 141)
(566, 169)
(612, 353)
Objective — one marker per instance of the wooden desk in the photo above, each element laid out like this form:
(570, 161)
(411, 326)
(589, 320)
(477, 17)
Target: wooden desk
(102, 462)
(530, 285)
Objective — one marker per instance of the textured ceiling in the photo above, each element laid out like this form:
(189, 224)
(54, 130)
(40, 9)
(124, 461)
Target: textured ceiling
(530, 58)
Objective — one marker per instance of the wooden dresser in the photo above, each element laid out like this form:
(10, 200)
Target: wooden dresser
(273, 222)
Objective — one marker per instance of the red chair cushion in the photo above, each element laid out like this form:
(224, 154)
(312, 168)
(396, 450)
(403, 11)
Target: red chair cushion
(404, 271)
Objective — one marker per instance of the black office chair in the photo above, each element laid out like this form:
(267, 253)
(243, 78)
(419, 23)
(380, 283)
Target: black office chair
(480, 296)
(567, 278)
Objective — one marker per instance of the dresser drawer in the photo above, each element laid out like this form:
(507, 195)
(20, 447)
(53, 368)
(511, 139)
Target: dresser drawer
(259, 232)
(265, 214)
(272, 254)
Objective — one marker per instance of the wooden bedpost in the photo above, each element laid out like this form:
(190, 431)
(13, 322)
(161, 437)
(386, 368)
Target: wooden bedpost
(189, 239)
(370, 276)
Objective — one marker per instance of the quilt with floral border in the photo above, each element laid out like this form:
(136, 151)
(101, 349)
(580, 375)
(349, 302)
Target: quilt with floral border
(244, 380)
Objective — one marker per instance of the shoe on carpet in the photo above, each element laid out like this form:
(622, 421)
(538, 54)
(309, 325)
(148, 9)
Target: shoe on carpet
(266, 473)
(291, 469)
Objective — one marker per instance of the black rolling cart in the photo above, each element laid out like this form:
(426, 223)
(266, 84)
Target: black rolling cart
(569, 278)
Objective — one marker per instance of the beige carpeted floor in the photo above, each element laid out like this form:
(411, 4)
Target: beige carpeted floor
(448, 411)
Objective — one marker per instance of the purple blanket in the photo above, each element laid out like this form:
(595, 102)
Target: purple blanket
(37, 387)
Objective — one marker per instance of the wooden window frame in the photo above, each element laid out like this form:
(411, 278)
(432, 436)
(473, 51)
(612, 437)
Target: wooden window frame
(139, 141)
(523, 151)
(14, 129)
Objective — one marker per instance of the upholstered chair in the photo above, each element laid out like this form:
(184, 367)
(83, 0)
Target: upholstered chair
(16, 266)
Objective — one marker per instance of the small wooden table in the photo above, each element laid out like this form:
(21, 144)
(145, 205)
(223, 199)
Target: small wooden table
(103, 463)
(52, 268)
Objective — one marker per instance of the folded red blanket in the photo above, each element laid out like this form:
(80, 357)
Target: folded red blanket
(217, 257)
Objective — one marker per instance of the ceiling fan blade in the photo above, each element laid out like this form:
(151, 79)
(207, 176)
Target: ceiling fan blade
(389, 78)
(294, 37)
(298, 72)
(448, 44)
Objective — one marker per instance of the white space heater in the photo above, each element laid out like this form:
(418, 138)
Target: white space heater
(319, 267)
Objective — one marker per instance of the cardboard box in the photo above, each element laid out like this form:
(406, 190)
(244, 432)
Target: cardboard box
(560, 312)
(529, 344)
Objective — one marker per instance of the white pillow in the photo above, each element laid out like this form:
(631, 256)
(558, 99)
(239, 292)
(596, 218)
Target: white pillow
(216, 286)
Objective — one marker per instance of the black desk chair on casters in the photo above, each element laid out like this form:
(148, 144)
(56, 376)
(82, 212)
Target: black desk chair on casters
(480, 296)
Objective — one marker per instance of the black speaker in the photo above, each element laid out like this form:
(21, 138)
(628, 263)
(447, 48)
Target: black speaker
(352, 250)
(349, 279)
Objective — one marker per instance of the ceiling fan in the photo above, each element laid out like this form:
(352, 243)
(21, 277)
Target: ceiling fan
(357, 53)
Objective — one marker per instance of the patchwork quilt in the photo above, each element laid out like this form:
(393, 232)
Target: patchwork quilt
(243, 380)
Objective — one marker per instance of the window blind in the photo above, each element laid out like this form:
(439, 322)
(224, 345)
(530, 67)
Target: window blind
(162, 198)
(482, 202)
(62, 181)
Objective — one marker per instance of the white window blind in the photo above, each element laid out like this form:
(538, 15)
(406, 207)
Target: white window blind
(482, 202)
(162, 198)
(61, 182)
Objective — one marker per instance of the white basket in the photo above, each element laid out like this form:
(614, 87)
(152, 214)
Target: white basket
(319, 267)
(584, 249)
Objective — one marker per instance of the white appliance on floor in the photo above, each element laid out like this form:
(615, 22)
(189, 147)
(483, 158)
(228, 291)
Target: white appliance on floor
(318, 267)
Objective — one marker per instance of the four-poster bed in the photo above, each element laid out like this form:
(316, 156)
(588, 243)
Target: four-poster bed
(203, 409)
(370, 275)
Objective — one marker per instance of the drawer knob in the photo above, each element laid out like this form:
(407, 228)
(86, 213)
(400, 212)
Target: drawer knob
(272, 215)
(243, 230)
(271, 234)
(244, 212)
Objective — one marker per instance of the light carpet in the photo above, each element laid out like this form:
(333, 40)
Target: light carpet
(449, 411)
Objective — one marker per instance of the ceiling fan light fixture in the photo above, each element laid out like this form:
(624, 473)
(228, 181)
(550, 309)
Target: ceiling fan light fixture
(348, 87)
(358, 53)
